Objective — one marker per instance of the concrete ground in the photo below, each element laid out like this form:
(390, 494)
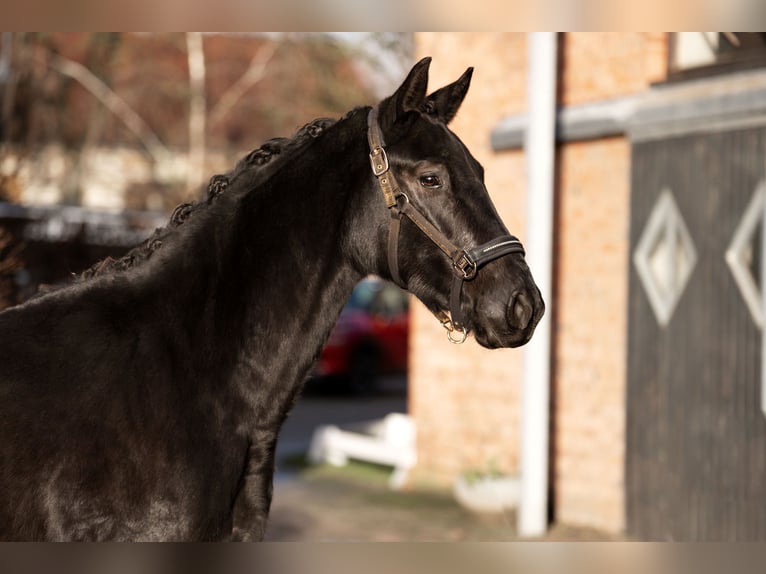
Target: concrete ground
(327, 504)
(354, 503)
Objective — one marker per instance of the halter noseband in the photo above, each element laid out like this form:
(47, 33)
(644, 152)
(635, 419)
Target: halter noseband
(465, 262)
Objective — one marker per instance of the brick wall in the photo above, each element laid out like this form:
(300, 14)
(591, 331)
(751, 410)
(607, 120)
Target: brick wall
(592, 259)
(590, 333)
(466, 399)
(596, 66)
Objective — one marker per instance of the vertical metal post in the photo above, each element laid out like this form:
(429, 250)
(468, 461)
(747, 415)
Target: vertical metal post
(540, 149)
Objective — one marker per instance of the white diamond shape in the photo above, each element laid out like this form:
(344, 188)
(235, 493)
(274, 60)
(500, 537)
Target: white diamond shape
(739, 255)
(665, 257)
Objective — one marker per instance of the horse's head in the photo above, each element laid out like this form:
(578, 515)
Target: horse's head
(446, 242)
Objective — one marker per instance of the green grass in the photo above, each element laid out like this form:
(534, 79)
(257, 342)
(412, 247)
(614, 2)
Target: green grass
(369, 482)
(355, 469)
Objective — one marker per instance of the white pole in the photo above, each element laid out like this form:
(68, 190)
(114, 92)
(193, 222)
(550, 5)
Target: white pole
(540, 149)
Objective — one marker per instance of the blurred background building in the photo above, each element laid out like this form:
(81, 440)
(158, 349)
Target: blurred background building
(654, 418)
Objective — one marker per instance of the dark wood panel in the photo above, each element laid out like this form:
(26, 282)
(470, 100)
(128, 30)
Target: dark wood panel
(696, 437)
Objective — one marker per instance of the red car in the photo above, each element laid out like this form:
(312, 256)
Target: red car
(370, 337)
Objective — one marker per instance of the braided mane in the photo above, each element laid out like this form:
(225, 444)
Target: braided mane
(256, 162)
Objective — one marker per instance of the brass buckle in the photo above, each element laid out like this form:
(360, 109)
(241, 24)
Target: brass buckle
(447, 324)
(465, 265)
(379, 161)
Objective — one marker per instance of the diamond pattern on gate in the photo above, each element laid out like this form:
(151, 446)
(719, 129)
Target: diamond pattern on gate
(665, 257)
(745, 251)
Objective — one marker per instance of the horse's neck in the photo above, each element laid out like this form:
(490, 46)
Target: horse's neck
(267, 297)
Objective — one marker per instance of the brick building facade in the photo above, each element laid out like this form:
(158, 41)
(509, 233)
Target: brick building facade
(657, 414)
(467, 402)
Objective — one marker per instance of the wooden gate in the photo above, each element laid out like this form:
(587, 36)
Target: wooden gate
(696, 434)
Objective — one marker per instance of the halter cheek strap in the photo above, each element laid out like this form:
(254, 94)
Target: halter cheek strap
(465, 262)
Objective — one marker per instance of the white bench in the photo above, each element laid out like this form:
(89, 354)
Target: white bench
(389, 441)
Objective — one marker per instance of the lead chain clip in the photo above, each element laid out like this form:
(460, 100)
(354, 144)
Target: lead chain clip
(451, 328)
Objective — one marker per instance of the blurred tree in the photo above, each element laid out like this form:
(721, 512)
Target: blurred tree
(211, 97)
(109, 98)
(143, 80)
(99, 56)
(254, 73)
(388, 56)
(170, 95)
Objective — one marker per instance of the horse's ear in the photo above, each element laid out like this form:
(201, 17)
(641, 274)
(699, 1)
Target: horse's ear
(445, 102)
(410, 96)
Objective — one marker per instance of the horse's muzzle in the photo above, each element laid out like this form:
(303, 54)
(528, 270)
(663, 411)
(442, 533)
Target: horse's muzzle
(510, 324)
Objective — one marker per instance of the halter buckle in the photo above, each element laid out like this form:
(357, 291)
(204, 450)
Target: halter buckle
(379, 161)
(464, 265)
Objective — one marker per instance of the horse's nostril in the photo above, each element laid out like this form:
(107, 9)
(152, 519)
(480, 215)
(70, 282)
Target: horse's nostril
(520, 311)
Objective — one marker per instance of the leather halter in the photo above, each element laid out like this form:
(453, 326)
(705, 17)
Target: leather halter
(466, 262)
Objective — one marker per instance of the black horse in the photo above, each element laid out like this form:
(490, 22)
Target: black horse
(143, 401)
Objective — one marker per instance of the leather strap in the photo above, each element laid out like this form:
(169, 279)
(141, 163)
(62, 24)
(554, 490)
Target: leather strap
(498, 247)
(393, 247)
(379, 159)
(405, 208)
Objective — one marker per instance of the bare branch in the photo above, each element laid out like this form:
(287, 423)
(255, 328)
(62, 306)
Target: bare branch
(732, 38)
(254, 74)
(112, 101)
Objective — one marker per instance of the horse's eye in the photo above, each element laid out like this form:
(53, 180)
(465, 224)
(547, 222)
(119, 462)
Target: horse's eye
(430, 181)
